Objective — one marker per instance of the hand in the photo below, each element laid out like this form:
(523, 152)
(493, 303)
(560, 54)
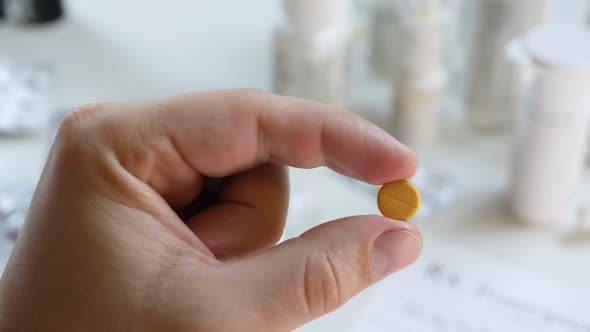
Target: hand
(164, 216)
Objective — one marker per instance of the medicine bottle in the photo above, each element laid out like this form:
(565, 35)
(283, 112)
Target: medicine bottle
(312, 51)
(552, 122)
(420, 73)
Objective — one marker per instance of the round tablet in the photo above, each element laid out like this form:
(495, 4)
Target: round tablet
(398, 200)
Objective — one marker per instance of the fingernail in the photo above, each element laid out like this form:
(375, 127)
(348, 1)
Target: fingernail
(394, 250)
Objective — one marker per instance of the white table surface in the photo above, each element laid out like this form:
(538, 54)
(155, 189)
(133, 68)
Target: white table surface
(121, 50)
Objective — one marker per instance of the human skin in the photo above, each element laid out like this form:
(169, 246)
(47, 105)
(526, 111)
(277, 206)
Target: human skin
(164, 216)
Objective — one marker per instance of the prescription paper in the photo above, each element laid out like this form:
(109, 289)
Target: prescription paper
(451, 291)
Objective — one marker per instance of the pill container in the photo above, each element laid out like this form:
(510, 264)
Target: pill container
(496, 22)
(420, 73)
(551, 124)
(307, 18)
(315, 68)
(422, 37)
(312, 51)
(418, 106)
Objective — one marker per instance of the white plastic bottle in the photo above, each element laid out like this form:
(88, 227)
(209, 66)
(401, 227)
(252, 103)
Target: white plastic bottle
(312, 51)
(552, 124)
(420, 74)
(418, 107)
(496, 23)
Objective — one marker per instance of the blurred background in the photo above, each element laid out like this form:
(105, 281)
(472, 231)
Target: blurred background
(493, 94)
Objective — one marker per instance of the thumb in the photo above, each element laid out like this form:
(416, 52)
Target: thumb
(310, 276)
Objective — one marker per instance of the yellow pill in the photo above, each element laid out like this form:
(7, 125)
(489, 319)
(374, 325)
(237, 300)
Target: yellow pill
(398, 200)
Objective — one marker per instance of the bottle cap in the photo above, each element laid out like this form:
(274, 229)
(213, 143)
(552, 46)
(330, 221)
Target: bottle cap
(560, 46)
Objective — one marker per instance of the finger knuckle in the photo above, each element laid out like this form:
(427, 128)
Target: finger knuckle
(248, 100)
(253, 93)
(76, 122)
(322, 287)
(74, 135)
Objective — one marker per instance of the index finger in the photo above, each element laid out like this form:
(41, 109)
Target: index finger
(223, 132)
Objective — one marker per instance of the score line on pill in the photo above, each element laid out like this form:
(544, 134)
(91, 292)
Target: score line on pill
(398, 200)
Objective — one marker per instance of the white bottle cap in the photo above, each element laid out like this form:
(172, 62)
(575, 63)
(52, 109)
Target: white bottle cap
(560, 46)
(561, 55)
(309, 17)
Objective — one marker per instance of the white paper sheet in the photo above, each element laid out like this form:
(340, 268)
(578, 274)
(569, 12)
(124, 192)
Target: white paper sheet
(452, 291)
